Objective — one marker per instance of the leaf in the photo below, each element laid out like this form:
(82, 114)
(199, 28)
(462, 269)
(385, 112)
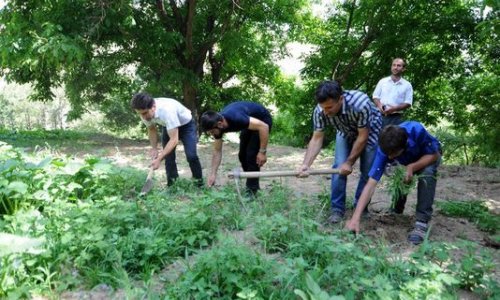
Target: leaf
(41, 195)
(18, 187)
(312, 285)
(10, 243)
(301, 294)
(72, 168)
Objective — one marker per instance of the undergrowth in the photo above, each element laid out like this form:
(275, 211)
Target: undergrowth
(89, 227)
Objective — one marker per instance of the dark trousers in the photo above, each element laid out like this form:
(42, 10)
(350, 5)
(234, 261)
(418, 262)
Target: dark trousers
(249, 148)
(394, 119)
(426, 190)
(189, 137)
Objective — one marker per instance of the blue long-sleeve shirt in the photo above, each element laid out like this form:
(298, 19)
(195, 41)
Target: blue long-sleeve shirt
(420, 143)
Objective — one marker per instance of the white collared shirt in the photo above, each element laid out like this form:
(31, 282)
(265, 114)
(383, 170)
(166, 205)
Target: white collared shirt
(393, 93)
(169, 113)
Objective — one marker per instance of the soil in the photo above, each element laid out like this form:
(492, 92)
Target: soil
(455, 183)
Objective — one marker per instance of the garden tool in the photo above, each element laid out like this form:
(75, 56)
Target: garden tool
(148, 185)
(237, 173)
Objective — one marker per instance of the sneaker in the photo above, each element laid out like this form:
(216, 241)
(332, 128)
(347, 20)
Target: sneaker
(335, 217)
(417, 235)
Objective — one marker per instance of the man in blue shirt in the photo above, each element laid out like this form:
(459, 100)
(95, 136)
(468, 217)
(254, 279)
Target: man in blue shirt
(254, 123)
(358, 123)
(412, 146)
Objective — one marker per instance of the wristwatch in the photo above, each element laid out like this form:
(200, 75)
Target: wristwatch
(263, 150)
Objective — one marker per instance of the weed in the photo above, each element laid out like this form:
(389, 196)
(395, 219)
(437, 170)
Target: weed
(224, 272)
(397, 186)
(475, 211)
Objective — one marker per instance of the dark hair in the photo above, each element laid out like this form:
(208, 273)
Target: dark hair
(328, 90)
(209, 120)
(392, 139)
(142, 100)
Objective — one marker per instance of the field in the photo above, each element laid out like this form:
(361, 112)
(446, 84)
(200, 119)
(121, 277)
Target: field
(99, 239)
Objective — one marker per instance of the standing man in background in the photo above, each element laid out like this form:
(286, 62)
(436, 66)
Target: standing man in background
(358, 123)
(254, 123)
(393, 94)
(177, 124)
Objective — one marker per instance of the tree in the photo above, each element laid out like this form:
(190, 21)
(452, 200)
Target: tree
(357, 41)
(103, 51)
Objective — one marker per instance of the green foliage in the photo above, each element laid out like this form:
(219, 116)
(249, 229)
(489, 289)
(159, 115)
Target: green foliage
(178, 243)
(475, 211)
(398, 186)
(187, 50)
(26, 183)
(227, 271)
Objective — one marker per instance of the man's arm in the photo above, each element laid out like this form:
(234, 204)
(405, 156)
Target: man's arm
(396, 108)
(313, 149)
(173, 135)
(358, 147)
(423, 162)
(263, 128)
(216, 160)
(378, 103)
(153, 141)
(366, 195)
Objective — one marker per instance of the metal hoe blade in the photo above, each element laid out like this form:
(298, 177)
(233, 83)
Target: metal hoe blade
(148, 185)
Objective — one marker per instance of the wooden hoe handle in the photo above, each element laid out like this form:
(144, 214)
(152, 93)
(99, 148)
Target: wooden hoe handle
(241, 174)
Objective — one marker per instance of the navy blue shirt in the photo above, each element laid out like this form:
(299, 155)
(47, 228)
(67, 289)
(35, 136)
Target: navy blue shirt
(420, 143)
(237, 115)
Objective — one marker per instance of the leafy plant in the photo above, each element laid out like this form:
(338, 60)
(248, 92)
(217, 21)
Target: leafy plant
(475, 211)
(397, 187)
(227, 271)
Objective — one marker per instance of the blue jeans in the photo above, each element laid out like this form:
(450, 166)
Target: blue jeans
(342, 150)
(189, 137)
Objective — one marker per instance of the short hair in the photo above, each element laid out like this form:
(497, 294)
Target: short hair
(209, 120)
(329, 89)
(392, 139)
(142, 100)
(404, 61)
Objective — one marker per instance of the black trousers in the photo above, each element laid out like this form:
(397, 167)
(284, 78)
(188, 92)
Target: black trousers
(249, 148)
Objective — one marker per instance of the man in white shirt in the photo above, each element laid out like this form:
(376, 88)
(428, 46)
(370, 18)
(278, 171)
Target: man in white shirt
(393, 94)
(177, 124)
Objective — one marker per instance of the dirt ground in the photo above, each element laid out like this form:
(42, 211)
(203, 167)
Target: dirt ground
(455, 183)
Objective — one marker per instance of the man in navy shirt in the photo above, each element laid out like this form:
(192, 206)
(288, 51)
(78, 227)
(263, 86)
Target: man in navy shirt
(412, 146)
(358, 123)
(254, 123)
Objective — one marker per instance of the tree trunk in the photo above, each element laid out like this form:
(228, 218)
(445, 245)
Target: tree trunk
(190, 101)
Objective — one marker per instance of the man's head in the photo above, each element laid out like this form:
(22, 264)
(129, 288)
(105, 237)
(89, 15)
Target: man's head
(329, 97)
(213, 123)
(144, 105)
(398, 67)
(392, 141)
